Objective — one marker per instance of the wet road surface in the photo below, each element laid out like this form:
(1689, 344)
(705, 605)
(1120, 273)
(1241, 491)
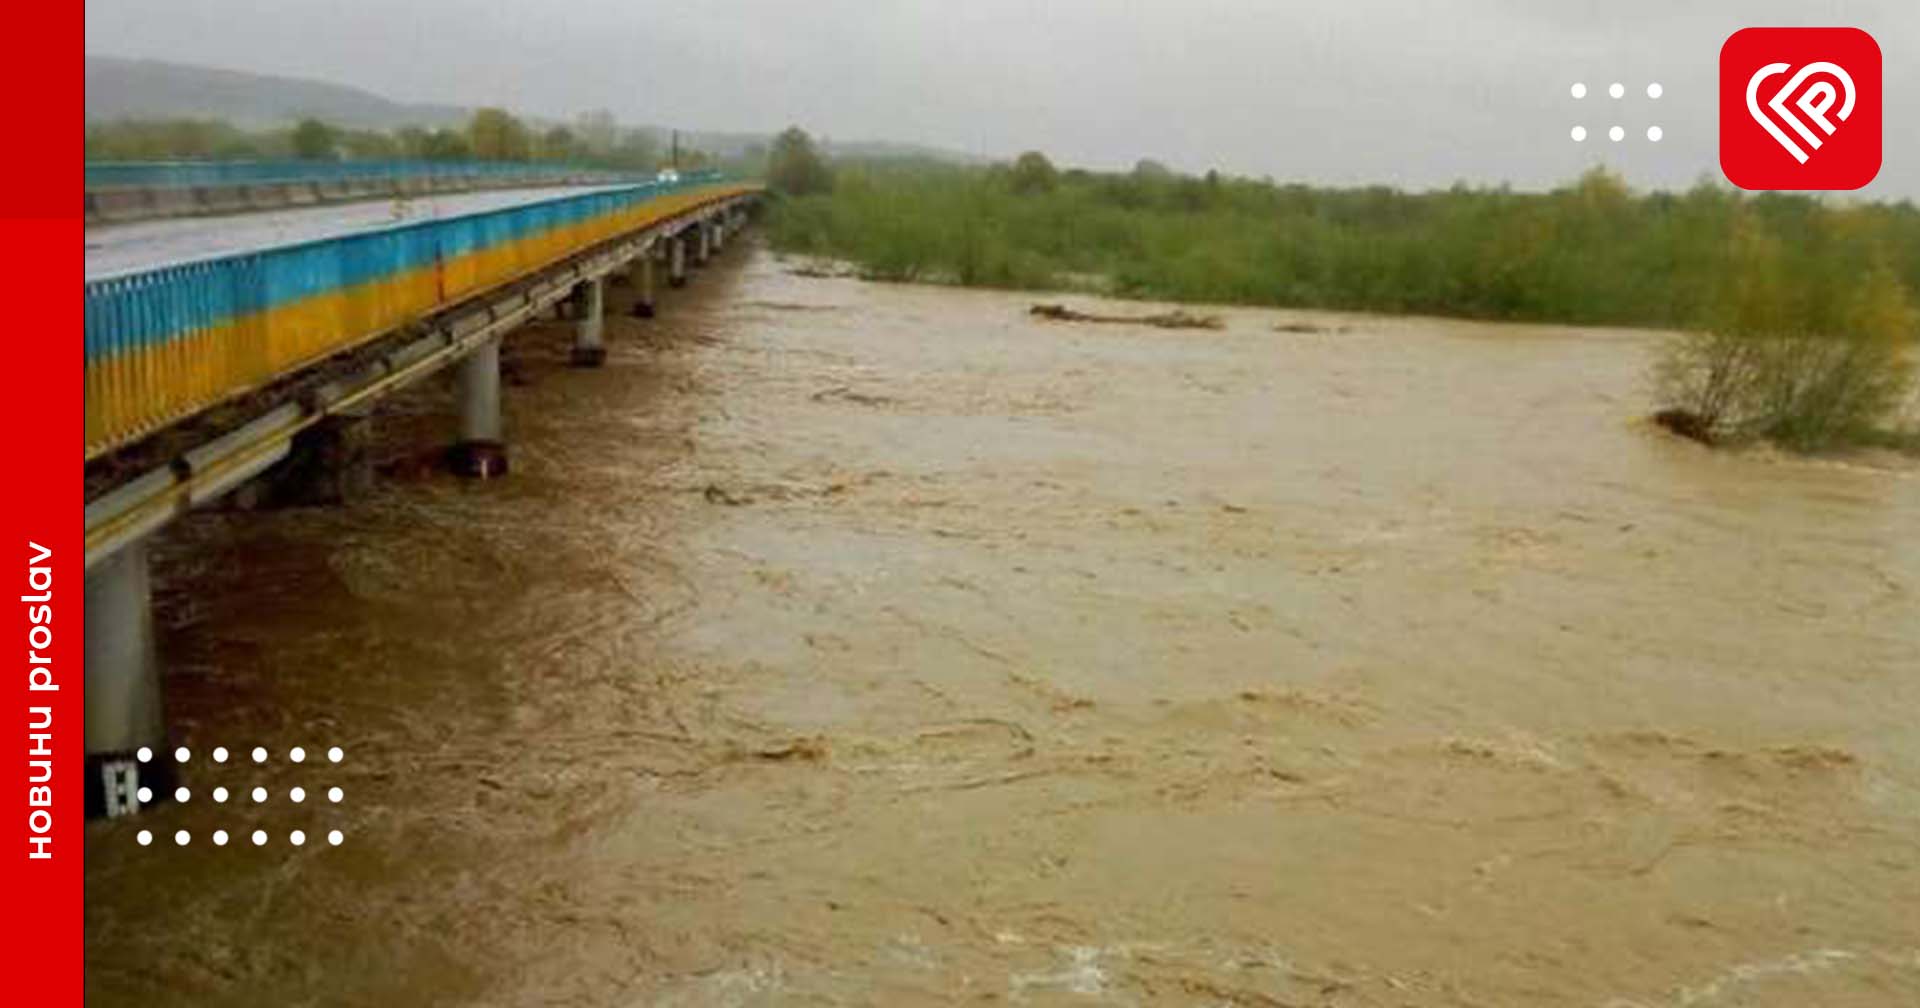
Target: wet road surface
(116, 249)
(858, 644)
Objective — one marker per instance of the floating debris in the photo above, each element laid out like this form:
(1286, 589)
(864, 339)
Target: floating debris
(1687, 424)
(715, 495)
(845, 394)
(1175, 319)
(1309, 328)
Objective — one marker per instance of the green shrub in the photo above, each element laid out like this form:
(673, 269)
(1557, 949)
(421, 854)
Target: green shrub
(1810, 361)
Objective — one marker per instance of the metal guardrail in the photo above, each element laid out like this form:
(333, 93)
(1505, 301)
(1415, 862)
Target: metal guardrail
(163, 344)
(163, 174)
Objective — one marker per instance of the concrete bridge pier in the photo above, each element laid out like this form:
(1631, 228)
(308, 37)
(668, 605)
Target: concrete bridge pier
(480, 452)
(123, 688)
(719, 227)
(589, 344)
(677, 263)
(642, 279)
(705, 244)
(328, 463)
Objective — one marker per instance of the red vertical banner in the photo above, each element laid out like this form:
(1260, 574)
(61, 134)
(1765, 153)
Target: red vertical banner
(41, 528)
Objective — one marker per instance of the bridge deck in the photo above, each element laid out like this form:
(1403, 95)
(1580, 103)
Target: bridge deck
(131, 248)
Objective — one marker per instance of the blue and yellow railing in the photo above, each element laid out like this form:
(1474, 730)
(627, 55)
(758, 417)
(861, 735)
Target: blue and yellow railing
(166, 343)
(181, 174)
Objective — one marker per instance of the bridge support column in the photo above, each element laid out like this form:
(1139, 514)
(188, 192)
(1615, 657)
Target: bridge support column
(719, 234)
(705, 246)
(480, 453)
(677, 263)
(589, 344)
(643, 284)
(122, 687)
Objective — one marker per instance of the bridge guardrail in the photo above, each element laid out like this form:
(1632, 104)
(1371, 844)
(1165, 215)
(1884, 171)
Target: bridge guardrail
(165, 174)
(163, 344)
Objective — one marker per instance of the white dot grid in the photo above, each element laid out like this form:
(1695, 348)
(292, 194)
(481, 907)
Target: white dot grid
(1616, 90)
(297, 794)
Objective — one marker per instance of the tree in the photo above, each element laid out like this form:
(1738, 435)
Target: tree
(314, 140)
(599, 133)
(794, 167)
(1807, 361)
(1033, 173)
(412, 141)
(445, 145)
(369, 144)
(636, 149)
(495, 135)
(558, 144)
(1148, 168)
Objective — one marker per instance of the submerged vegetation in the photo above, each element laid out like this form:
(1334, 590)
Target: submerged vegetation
(1801, 311)
(1808, 360)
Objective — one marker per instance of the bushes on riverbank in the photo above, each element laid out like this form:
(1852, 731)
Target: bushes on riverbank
(1808, 304)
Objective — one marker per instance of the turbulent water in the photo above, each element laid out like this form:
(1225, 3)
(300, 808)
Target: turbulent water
(857, 644)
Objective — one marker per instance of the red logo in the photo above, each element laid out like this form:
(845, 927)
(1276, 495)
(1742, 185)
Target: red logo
(1800, 108)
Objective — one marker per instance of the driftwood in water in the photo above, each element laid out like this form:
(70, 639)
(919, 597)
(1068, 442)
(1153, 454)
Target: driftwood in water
(1308, 328)
(1687, 424)
(1175, 319)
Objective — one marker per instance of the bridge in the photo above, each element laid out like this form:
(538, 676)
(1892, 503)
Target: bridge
(235, 312)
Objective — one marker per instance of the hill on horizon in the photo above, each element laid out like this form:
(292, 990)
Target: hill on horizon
(146, 89)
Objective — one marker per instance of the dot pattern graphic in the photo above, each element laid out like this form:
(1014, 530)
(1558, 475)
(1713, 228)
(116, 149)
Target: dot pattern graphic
(296, 794)
(1615, 91)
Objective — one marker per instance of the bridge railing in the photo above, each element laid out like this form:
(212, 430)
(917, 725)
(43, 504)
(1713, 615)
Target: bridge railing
(163, 344)
(182, 174)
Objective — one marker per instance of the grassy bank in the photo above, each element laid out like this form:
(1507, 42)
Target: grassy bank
(1791, 274)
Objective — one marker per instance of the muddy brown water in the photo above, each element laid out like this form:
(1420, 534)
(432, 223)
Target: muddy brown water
(855, 644)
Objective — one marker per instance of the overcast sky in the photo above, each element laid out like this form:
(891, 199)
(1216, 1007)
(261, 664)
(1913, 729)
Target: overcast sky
(1341, 91)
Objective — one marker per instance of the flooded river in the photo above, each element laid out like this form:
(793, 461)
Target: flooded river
(858, 644)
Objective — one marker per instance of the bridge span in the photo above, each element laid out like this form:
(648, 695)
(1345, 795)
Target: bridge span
(216, 345)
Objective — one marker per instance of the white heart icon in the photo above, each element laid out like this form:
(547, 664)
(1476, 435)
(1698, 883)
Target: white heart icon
(1814, 103)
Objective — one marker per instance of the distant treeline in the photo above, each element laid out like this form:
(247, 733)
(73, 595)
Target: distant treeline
(1593, 252)
(492, 134)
